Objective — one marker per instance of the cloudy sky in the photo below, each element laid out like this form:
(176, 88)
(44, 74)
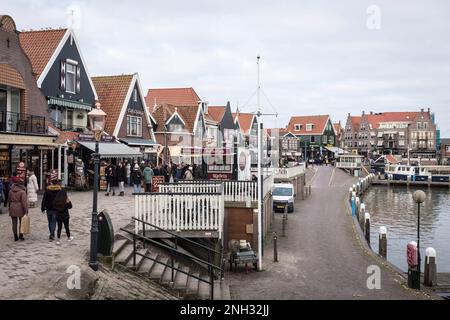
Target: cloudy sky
(317, 57)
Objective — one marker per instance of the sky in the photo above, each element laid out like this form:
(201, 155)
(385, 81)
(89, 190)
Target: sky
(317, 57)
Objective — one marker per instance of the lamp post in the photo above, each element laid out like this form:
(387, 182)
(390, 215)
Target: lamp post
(97, 123)
(419, 197)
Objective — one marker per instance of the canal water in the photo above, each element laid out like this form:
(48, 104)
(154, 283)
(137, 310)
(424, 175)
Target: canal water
(394, 208)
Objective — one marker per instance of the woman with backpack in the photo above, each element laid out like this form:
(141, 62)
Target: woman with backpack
(61, 205)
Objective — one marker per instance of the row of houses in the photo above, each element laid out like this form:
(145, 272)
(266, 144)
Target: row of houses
(46, 92)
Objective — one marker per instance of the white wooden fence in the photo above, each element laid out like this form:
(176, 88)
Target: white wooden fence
(291, 172)
(180, 211)
(245, 191)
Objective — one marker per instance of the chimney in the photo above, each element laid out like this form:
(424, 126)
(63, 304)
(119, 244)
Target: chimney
(421, 110)
(371, 113)
(429, 110)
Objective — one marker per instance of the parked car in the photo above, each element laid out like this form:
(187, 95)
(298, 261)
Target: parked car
(282, 196)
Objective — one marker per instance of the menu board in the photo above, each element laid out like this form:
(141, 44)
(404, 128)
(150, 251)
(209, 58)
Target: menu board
(156, 181)
(4, 164)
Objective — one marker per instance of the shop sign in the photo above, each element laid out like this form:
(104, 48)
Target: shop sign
(220, 168)
(219, 176)
(90, 137)
(156, 181)
(21, 170)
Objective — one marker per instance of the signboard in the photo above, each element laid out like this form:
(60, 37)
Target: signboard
(220, 168)
(244, 164)
(90, 137)
(21, 171)
(219, 176)
(156, 181)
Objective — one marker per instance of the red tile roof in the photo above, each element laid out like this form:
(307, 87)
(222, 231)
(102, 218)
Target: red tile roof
(112, 91)
(64, 136)
(173, 96)
(245, 121)
(337, 127)
(40, 46)
(162, 113)
(216, 112)
(382, 117)
(319, 122)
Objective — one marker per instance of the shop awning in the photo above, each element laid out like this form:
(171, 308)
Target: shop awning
(335, 150)
(112, 149)
(69, 103)
(138, 142)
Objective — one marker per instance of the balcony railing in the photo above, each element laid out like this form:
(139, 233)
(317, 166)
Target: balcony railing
(68, 127)
(21, 122)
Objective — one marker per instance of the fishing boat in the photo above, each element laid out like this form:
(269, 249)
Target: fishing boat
(400, 172)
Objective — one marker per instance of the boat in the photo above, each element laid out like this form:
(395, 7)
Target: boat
(400, 172)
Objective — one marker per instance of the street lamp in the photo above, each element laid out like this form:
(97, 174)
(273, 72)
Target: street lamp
(419, 197)
(97, 123)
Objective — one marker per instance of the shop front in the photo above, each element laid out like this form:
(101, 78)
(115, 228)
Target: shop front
(19, 153)
(149, 149)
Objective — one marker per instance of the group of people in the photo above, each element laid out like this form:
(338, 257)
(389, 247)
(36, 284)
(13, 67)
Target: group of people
(21, 194)
(140, 175)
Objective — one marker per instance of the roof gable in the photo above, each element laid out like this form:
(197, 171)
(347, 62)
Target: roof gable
(318, 122)
(173, 96)
(189, 115)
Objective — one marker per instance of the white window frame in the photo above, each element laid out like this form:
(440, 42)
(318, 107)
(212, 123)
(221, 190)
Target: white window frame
(138, 126)
(309, 127)
(135, 95)
(73, 64)
(297, 127)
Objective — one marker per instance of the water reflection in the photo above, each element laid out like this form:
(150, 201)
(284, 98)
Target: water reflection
(394, 208)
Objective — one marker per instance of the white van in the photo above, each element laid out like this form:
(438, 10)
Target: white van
(282, 196)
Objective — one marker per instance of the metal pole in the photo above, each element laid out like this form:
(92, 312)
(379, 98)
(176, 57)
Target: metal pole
(93, 263)
(260, 231)
(418, 241)
(275, 249)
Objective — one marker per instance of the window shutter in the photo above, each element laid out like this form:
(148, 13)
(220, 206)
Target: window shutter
(78, 79)
(62, 78)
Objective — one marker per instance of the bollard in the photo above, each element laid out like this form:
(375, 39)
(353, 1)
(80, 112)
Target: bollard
(430, 273)
(382, 242)
(309, 188)
(353, 204)
(361, 215)
(286, 210)
(357, 206)
(283, 234)
(367, 227)
(275, 249)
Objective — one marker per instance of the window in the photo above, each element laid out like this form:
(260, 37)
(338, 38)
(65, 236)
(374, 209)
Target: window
(324, 139)
(331, 140)
(134, 126)
(135, 95)
(425, 125)
(297, 127)
(71, 77)
(175, 127)
(313, 139)
(309, 127)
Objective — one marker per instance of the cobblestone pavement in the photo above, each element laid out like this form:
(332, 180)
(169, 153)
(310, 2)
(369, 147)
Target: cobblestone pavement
(321, 256)
(30, 269)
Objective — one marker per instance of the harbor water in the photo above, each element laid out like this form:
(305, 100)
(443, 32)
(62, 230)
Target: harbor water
(394, 208)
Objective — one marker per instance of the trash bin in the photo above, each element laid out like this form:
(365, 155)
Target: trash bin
(105, 240)
(413, 278)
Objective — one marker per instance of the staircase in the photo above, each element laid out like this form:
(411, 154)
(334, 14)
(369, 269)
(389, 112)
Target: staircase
(186, 287)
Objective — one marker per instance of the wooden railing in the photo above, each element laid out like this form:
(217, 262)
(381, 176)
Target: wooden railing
(233, 190)
(181, 211)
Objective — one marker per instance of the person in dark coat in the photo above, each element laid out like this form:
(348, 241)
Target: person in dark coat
(18, 206)
(111, 178)
(121, 171)
(62, 204)
(136, 178)
(48, 206)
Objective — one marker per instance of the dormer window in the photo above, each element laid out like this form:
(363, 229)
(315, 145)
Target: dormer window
(309, 127)
(297, 127)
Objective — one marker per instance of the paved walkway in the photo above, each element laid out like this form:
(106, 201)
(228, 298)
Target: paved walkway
(321, 257)
(33, 269)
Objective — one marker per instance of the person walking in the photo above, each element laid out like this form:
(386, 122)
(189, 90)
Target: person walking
(18, 206)
(32, 189)
(188, 174)
(128, 169)
(47, 204)
(148, 175)
(121, 177)
(136, 178)
(110, 174)
(62, 204)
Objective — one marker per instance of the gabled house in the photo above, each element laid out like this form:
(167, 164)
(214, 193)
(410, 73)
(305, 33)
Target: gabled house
(24, 136)
(247, 123)
(224, 118)
(127, 115)
(62, 75)
(180, 128)
(316, 134)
